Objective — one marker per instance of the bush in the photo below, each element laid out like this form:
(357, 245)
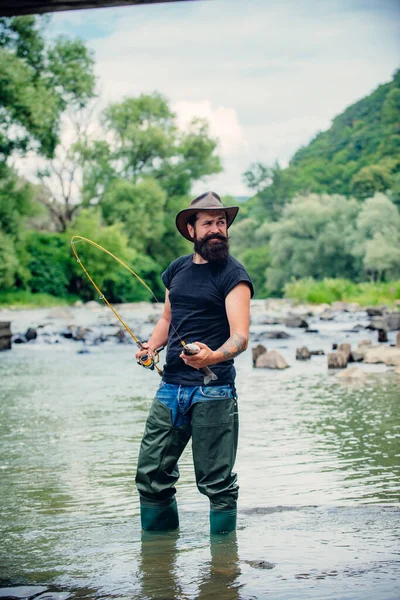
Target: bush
(48, 262)
(332, 290)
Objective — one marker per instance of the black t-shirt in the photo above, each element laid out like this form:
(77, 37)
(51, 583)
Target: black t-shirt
(197, 294)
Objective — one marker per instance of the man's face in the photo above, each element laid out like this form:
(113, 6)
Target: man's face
(210, 236)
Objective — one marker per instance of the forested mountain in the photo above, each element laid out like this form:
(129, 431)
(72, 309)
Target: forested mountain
(360, 153)
(309, 219)
(358, 156)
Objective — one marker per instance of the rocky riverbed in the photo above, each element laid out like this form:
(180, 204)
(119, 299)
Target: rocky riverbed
(281, 332)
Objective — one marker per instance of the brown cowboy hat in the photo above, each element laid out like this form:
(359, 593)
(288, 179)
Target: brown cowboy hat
(206, 202)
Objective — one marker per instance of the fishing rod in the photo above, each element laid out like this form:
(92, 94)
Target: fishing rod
(151, 360)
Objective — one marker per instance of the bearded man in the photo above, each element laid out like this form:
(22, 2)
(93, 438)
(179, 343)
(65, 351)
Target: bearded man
(207, 302)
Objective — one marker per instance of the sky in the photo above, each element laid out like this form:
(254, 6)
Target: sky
(268, 75)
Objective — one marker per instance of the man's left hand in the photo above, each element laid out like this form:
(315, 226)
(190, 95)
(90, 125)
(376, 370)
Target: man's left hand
(204, 358)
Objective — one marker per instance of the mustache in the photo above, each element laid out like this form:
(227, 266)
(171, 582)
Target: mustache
(215, 236)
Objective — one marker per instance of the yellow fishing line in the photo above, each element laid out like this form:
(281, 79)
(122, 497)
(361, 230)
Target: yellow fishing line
(102, 296)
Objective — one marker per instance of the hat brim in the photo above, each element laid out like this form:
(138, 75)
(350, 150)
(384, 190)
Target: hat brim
(184, 215)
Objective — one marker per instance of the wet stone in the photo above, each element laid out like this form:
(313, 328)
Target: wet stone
(260, 564)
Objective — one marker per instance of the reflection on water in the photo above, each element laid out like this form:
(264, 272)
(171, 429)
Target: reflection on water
(159, 569)
(318, 468)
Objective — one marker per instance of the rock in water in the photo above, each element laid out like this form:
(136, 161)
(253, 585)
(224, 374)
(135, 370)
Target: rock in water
(303, 353)
(351, 373)
(257, 351)
(5, 335)
(398, 339)
(31, 334)
(393, 320)
(383, 354)
(345, 349)
(364, 343)
(382, 336)
(271, 360)
(356, 356)
(295, 322)
(337, 360)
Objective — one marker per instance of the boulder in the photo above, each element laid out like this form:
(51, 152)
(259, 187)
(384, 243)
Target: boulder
(312, 331)
(398, 339)
(271, 360)
(272, 335)
(356, 356)
(346, 349)
(364, 343)
(339, 306)
(337, 360)
(389, 322)
(256, 352)
(270, 321)
(18, 338)
(351, 373)
(317, 352)
(31, 334)
(294, 321)
(393, 320)
(378, 323)
(81, 333)
(375, 311)
(327, 315)
(383, 354)
(5, 335)
(382, 336)
(303, 353)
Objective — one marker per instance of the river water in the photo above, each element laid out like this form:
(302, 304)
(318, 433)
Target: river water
(318, 468)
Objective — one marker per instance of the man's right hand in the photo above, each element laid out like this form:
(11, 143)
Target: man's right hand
(144, 350)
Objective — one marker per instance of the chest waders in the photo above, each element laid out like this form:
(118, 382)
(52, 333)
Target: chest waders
(210, 419)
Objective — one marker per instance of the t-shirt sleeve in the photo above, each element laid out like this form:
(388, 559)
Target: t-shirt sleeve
(235, 276)
(166, 277)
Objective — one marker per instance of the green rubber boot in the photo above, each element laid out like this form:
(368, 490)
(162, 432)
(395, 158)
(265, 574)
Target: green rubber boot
(159, 518)
(222, 521)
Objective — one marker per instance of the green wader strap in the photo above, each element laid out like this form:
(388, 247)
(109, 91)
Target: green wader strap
(159, 518)
(222, 521)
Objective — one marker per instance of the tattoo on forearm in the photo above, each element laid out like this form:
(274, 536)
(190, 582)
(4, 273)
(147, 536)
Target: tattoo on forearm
(233, 346)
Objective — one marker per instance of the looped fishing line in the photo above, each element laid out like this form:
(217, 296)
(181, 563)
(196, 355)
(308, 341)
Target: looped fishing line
(77, 239)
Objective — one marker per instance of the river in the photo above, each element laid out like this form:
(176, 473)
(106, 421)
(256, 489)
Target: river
(318, 468)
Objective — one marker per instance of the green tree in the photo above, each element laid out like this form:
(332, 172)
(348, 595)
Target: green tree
(114, 281)
(382, 256)
(149, 167)
(377, 237)
(147, 143)
(314, 238)
(52, 75)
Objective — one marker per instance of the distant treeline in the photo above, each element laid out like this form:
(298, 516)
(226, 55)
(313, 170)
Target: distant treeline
(332, 213)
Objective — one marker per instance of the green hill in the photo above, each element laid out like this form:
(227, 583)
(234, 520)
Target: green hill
(360, 153)
(358, 156)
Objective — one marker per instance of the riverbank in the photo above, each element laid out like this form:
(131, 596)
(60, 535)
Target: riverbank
(309, 291)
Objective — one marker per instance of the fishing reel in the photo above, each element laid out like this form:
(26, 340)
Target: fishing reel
(149, 361)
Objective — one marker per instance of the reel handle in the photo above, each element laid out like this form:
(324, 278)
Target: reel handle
(146, 360)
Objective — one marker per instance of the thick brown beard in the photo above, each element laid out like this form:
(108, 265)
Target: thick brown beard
(215, 252)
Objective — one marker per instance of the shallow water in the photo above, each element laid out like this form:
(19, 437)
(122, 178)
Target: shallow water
(318, 468)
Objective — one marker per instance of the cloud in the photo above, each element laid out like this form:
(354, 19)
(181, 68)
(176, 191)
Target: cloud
(223, 122)
(267, 75)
